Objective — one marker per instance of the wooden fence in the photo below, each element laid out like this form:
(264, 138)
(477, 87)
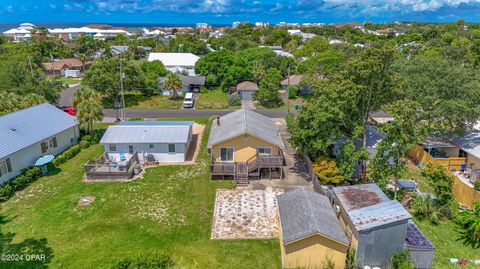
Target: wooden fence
(464, 193)
(420, 155)
(313, 177)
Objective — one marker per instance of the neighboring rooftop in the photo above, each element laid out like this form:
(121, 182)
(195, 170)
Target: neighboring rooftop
(156, 123)
(247, 86)
(174, 59)
(415, 238)
(62, 63)
(187, 80)
(367, 206)
(469, 142)
(303, 213)
(146, 134)
(26, 127)
(294, 80)
(244, 121)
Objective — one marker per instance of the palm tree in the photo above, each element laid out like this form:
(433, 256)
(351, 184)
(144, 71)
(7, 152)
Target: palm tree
(83, 59)
(424, 208)
(173, 83)
(258, 72)
(89, 108)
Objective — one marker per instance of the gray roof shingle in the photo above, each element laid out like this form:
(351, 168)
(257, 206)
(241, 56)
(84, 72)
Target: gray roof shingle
(26, 127)
(145, 134)
(245, 121)
(304, 213)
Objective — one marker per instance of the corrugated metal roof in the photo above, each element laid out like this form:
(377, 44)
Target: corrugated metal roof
(245, 121)
(368, 207)
(26, 127)
(145, 134)
(157, 123)
(304, 212)
(173, 58)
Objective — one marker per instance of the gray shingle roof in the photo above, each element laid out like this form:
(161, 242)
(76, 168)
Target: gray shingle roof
(245, 121)
(26, 127)
(304, 213)
(368, 207)
(145, 134)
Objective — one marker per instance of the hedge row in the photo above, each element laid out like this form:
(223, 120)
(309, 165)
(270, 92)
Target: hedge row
(31, 174)
(20, 182)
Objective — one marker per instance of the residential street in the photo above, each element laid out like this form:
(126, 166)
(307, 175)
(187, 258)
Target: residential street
(186, 113)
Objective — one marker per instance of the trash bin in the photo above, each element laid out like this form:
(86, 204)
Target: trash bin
(296, 106)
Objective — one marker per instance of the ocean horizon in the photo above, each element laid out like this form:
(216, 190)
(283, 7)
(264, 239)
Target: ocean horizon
(4, 26)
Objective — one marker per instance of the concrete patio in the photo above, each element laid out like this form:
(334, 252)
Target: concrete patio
(245, 214)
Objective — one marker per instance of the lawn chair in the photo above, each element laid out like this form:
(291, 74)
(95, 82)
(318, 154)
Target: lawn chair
(463, 166)
(122, 157)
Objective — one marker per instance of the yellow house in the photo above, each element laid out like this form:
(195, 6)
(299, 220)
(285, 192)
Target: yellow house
(245, 145)
(310, 234)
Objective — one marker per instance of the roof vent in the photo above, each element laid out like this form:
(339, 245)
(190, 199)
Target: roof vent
(218, 120)
(13, 129)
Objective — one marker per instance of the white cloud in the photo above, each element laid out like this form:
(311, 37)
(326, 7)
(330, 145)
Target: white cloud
(52, 6)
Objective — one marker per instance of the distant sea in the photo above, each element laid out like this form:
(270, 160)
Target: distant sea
(4, 26)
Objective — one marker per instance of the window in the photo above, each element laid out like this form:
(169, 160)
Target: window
(5, 167)
(264, 151)
(171, 148)
(226, 154)
(130, 149)
(150, 146)
(49, 144)
(112, 147)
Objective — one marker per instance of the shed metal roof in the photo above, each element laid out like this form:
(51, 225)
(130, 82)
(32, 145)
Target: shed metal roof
(368, 207)
(145, 134)
(304, 213)
(26, 127)
(469, 142)
(245, 121)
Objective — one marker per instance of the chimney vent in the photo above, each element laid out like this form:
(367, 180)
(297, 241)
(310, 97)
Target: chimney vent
(218, 120)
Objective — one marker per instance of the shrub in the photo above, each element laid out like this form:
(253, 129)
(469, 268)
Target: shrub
(84, 144)
(234, 101)
(401, 260)
(156, 261)
(441, 182)
(87, 138)
(327, 171)
(469, 224)
(292, 92)
(424, 208)
(20, 182)
(66, 155)
(6, 191)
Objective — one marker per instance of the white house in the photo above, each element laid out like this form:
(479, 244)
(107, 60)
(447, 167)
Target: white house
(160, 141)
(175, 61)
(28, 134)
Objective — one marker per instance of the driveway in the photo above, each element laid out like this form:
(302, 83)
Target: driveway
(245, 214)
(248, 104)
(66, 97)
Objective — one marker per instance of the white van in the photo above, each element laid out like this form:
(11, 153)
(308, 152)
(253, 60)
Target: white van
(188, 101)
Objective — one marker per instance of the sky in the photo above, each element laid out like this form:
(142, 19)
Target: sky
(227, 11)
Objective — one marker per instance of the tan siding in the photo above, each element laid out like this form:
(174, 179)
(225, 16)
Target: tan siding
(465, 194)
(244, 146)
(314, 252)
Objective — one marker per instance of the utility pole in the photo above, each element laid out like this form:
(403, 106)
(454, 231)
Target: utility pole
(30, 64)
(288, 94)
(122, 91)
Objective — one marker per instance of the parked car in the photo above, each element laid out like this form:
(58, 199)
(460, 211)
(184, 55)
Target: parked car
(69, 110)
(188, 101)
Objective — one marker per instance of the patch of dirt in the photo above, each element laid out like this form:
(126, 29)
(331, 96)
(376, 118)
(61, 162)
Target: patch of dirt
(86, 200)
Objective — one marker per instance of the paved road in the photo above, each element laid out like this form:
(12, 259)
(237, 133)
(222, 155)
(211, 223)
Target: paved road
(186, 113)
(66, 96)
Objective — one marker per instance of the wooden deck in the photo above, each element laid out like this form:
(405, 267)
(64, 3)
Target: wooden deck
(243, 171)
(103, 169)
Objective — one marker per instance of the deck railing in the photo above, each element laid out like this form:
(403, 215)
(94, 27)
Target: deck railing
(103, 168)
(255, 162)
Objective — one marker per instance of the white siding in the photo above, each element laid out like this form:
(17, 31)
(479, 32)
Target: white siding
(28, 156)
(159, 151)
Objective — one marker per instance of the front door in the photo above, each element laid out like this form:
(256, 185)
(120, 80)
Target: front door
(130, 149)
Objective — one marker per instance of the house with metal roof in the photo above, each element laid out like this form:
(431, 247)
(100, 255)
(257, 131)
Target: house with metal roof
(175, 60)
(136, 143)
(245, 145)
(310, 234)
(28, 134)
(376, 225)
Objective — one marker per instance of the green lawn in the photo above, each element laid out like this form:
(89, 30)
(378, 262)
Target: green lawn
(212, 99)
(65, 80)
(170, 209)
(443, 235)
(138, 101)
